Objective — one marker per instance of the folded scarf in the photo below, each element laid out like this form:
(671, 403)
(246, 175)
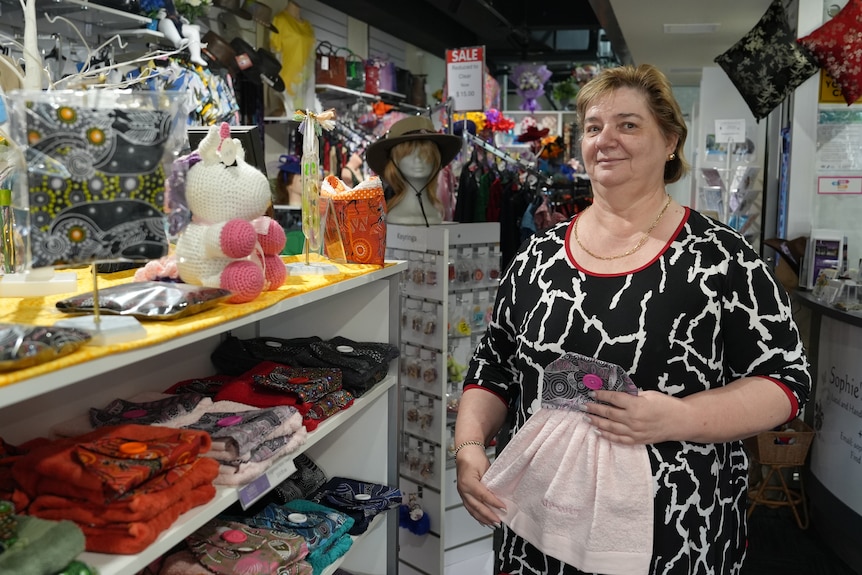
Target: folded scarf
(325, 530)
(238, 434)
(150, 401)
(42, 547)
(106, 463)
(230, 548)
(182, 562)
(361, 500)
(134, 537)
(140, 504)
(246, 471)
(243, 390)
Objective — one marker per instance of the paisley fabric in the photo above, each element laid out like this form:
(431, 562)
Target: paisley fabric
(837, 48)
(306, 383)
(154, 412)
(27, 345)
(767, 64)
(95, 174)
(362, 500)
(695, 318)
(233, 548)
(123, 464)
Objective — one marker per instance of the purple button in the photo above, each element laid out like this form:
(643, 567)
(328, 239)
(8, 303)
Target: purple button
(135, 413)
(229, 420)
(593, 381)
(234, 536)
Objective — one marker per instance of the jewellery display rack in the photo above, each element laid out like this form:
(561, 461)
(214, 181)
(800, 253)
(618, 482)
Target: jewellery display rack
(447, 293)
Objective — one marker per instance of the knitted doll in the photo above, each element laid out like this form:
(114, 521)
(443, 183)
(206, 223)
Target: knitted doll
(229, 242)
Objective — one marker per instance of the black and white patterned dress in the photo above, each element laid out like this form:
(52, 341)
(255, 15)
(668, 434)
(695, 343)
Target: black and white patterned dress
(704, 312)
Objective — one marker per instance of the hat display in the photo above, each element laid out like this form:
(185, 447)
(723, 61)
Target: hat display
(270, 69)
(532, 134)
(260, 13)
(410, 129)
(218, 51)
(234, 7)
(247, 59)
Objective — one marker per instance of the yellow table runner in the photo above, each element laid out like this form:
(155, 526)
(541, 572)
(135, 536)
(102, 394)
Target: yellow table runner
(43, 311)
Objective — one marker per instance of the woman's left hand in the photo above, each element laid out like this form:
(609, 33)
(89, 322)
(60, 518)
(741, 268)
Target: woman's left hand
(634, 419)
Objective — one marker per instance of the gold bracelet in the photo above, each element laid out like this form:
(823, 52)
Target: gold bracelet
(465, 444)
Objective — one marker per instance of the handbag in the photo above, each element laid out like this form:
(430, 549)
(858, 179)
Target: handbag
(329, 67)
(355, 71)
(361, 216)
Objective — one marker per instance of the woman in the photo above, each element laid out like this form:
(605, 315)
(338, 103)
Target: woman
(682, 303)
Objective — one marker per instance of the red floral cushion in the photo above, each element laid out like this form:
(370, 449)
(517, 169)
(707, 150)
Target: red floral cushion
(837, 48)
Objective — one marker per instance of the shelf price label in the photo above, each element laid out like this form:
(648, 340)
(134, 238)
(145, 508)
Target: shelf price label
(465, 78)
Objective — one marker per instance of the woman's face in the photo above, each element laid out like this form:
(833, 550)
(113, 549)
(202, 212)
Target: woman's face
(622, 142)
(413, 165)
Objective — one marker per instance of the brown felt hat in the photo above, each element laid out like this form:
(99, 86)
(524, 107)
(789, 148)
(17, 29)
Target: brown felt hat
(234, 7)
(260, 13)
(410, 129)
(217, 50)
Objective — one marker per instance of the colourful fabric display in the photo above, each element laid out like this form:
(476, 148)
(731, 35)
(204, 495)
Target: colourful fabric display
(154, 412)
(229, 547)
(208, 386)
(157, 405)
(242, 390)
(8, 525)
(57, 468)
(236, 435)
(324, 529)
(361, 500)
(42, 547)
(307, 384)
(141, 504)
(328, 406)
(95, 176)
(123, 485)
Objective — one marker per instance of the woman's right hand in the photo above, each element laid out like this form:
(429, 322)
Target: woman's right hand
(471, 464)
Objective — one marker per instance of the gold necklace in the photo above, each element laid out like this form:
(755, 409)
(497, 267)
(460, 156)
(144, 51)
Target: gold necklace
(639, 245)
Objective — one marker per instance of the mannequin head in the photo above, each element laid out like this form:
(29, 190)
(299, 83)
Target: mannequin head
(416, 160)
(408, 159)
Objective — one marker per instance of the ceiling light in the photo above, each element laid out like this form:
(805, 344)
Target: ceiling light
(706, 28)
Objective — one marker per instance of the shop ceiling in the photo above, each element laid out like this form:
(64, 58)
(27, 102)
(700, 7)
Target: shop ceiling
(562, 33)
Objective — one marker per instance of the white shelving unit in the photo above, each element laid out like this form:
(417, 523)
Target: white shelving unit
(446, 294)
(359, 442)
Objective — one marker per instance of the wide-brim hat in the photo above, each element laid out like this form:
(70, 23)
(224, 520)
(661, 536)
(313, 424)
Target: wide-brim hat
(217, 50)
(260, 13)
(533, 134)
(410, 129)
(270, 69)
(247, 59)
(234, 7)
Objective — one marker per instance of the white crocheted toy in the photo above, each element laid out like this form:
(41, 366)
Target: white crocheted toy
(230, 243)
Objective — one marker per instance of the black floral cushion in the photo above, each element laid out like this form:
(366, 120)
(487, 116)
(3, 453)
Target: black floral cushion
(767, 64)
(837, 48)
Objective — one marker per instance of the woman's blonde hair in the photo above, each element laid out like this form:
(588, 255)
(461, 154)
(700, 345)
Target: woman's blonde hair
(429, 152)
(654, 85)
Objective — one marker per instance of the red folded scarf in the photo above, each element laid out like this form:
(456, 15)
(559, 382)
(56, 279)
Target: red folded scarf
(98, 468)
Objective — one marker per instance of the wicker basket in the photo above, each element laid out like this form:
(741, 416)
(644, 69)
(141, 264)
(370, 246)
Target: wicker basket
(772, 447)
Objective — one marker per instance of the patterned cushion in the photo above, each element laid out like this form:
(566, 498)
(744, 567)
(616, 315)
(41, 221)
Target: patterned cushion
(837, 48)
(767, 63)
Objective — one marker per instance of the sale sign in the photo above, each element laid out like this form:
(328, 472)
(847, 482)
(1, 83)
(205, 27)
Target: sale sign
(465, 78)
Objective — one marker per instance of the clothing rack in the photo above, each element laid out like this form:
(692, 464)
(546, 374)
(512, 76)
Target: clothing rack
(508, 158)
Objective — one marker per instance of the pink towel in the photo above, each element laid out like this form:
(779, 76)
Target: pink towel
(576, 496)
